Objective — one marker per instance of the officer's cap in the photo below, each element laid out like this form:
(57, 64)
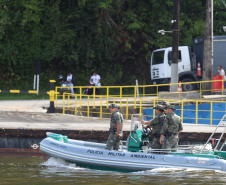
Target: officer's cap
(170, 107)
(113, 105)
(164, 103)
(160, 107)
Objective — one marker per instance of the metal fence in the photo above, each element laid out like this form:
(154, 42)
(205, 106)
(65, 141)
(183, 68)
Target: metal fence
(142, 98)
(191, 111)
(147, 90)
(98, 104)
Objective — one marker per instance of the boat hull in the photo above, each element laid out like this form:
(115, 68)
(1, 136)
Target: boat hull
(93, 155)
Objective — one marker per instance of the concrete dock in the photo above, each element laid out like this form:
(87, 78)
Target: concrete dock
(25, 122)
(31, 114)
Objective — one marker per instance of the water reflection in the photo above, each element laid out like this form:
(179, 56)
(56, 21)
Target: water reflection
(17, 170)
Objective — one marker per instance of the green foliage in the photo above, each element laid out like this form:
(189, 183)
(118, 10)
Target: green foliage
(219, 17)
(114, 38)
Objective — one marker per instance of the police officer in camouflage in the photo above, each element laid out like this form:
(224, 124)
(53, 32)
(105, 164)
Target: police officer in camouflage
(164, 104)
(116, 124)
(171, 128)
(156, 125)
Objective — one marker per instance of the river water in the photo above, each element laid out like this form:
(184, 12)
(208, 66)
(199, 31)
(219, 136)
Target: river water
(29, 170)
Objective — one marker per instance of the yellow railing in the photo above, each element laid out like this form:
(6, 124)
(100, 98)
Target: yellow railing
(146, 91)
(83, 106)
(201, 115)
(77, 104)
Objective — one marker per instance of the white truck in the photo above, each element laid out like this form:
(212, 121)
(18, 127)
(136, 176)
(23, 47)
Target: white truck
(187, 64)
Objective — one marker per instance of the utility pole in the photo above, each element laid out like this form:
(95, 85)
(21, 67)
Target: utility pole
(208, 48)
(175, 44)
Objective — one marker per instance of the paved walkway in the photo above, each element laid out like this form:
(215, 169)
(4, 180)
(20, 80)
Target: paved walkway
(31, 114)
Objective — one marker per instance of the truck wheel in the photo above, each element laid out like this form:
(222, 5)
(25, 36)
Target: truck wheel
(187, 87)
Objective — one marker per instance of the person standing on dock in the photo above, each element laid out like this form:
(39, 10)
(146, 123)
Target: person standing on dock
(156, 125)
(171, 128)
(116, 124)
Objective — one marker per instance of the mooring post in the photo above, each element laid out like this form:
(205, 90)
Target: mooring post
(51, 93)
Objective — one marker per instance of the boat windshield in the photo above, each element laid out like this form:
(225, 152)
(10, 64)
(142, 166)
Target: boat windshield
(136, 122)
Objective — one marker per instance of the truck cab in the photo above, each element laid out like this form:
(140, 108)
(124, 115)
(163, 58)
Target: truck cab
(161, 67)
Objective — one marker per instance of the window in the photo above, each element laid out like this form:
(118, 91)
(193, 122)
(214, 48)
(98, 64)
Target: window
(170, 57)
(158, 57)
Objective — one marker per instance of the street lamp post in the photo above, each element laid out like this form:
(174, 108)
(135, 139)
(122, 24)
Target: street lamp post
(175, 45)
(163, 32)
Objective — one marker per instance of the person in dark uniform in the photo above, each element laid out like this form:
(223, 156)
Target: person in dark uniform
(164, 104)
(156, 125)
(171, 128)
(116, 124)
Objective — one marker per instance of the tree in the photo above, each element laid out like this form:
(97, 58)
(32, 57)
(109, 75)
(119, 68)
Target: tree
(115, 38)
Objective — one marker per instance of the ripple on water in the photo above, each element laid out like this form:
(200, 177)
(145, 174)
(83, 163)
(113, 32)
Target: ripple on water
(164, 175)
(35, 170)
(60, 163)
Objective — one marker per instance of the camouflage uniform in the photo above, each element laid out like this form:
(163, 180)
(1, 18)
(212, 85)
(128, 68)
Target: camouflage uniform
(156, 125)
(172, 125)
(113, 139)
(164, 103)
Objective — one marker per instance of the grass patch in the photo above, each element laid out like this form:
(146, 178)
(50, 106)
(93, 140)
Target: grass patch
(22, 96)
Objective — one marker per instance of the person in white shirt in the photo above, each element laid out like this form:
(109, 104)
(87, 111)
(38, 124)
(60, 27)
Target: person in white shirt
(96, 80)
(71, 80)
(220, 71)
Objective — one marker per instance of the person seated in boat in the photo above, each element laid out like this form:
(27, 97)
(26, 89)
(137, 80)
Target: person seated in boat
(171, 128)
(156, 125)
(116, 124)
